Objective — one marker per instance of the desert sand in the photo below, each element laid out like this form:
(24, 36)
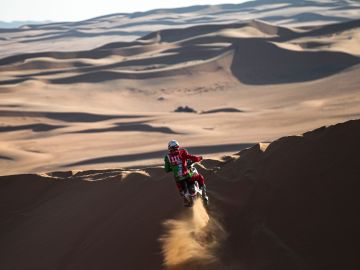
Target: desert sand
(291, 204)
(87, 109)
(113, 106)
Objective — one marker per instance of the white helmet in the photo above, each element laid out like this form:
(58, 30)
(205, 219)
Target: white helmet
(173, 144)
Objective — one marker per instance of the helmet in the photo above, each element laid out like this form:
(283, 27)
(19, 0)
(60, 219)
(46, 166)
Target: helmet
(172, 145)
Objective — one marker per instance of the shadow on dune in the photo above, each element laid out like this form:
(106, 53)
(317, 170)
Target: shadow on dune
(329, 29)
(33, 127)
(302, 3)
(159, 154)
(293, 205)
(220, 110)
(39, 35)
(6, 158)
(259, 62)
(102, 73)
(305, 17)
(249, 6)
(148, 72)
(79, 34)
(173, 35)
(44, 65)
(77, 223)
(166, 23)
(66, 116)
(166, 11)
(120, 44)
(14, 81)
(128, 127)
(10, 106)
(92, 54)
(97, 53)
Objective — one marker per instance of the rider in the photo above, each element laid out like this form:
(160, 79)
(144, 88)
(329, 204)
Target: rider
(176, 161)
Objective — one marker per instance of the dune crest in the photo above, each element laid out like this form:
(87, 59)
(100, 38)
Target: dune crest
(267, 203)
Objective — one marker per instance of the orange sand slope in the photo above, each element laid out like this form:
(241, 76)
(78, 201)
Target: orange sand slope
(291, 204)
(113, 106)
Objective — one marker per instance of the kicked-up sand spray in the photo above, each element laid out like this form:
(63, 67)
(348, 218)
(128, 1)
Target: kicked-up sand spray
(191, 241)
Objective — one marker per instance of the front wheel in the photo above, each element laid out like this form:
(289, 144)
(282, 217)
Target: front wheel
(205, 200)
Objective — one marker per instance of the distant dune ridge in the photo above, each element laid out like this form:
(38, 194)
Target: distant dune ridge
(251, 57)
(55, 103)
(290, 204)
(64, 35)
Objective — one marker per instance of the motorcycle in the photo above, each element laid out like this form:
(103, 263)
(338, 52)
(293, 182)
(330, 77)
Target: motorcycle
(192, 189)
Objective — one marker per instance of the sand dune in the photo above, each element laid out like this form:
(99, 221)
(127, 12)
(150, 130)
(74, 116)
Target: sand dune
(268, 202)
(94, 32)
(252, 62)
(279, 76)
(87, 109)
(65, 116)
(97, 113)
(291, 65)
(78, 98)
(219, 110)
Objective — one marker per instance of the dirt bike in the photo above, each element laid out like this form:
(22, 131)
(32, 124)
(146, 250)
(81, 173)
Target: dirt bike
(192, 189)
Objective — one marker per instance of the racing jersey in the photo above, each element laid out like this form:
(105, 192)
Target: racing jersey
(176, 161)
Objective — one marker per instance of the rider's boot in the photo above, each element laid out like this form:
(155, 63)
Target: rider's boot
(204, 195)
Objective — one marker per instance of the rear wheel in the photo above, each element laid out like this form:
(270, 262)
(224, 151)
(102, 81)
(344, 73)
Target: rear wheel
(189, 202)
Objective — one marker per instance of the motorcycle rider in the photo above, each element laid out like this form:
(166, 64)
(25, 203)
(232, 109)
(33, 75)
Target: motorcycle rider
(176, 161)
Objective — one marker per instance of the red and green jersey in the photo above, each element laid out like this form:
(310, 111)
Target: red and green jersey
(176, 161)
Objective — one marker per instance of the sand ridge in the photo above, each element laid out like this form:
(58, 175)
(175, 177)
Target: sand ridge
(266, 203)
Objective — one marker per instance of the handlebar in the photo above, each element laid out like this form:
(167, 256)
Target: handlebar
(189, 163)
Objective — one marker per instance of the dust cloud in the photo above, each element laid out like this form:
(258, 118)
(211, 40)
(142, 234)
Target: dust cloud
(191, 241)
